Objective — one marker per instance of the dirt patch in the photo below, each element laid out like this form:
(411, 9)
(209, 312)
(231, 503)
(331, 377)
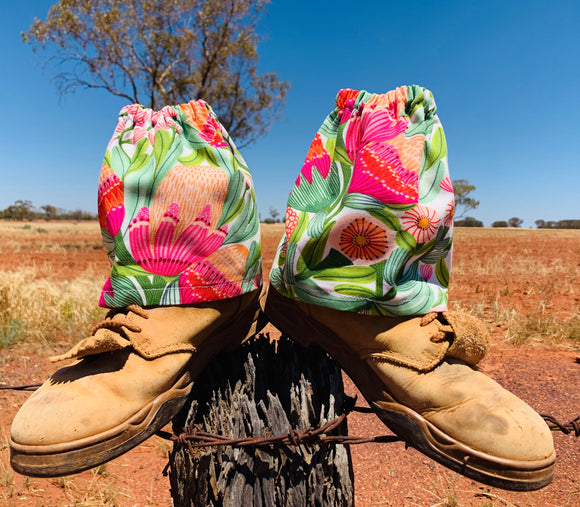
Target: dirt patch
(508, 278)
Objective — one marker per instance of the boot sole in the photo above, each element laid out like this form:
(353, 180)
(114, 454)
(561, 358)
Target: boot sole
(73, 457)
(405, 422)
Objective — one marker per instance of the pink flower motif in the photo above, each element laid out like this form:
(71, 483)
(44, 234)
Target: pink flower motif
(372, 125)
(317, 157)
(449, 214)
(378, 172)
(426, 271)
(446, 184)
(107, 288)
(145, 122)
(421, 222)
(169, 256)
(203, 281)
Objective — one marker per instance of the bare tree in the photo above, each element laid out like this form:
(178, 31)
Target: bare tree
(161, 52)
(463, 203)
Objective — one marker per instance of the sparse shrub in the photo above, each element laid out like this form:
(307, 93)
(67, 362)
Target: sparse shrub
(499, 223)
(11, 332)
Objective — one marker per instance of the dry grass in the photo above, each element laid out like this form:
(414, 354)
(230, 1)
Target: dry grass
(38, 310)
(525, 281)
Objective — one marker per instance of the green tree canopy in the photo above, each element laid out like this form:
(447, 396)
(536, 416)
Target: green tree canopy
(162, 52)
(515, 222)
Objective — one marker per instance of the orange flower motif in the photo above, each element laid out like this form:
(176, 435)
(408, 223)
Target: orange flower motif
(196, 112)
(198, 115)
(291, 222)
(318, 158)
(110, 201)
(395, 101)
(449, 213)
(344, 96)
(363, 240)
(410, 151)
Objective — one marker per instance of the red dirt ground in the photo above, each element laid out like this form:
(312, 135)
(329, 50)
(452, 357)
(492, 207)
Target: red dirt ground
(545, 376)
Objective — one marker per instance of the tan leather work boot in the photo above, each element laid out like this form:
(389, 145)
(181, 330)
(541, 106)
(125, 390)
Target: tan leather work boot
(131, 378)
(416, 374)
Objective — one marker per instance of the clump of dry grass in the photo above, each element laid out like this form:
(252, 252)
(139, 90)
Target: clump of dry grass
(38, 310)
(538, 327)
(543, 327)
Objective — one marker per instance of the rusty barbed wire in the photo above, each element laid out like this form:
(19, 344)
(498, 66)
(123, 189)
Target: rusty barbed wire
(572, 427)
(24, 387)
(192, 437)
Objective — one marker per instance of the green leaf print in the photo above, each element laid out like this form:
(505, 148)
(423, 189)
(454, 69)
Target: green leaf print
(196, 157)
(429, 182)
(153, 286)
(140, 157)
(442, 273)
(121, 252)
(354, 290)
(320, 245)
(394, 266)
(317, 195)
(420, 128)
(171, 294)
(334, 259)
(440, 250)
(191, 134)
(405, 240)
(244, 226)
(362, 201)
(436, 149)
(161, 145)
(233, 203)
(119, 161)
(316, 225)
(360, 274)
(418, 299)
(387, 218)
(329, 127)
(125, 293)
(301, 227)
(422, 249)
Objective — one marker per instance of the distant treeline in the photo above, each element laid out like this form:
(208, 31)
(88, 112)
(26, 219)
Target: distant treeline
(26, 211)
(517, 222)
(560, 224)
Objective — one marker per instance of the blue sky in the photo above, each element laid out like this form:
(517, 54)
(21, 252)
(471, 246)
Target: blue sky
(505, 75)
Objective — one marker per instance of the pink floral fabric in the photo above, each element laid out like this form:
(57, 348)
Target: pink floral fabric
(177, 210)
(369, 222)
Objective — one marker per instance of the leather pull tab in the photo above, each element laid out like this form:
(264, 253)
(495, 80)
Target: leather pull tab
(471, 341)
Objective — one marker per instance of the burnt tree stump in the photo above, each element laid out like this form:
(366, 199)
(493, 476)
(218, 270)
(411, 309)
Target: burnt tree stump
(264, 389)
